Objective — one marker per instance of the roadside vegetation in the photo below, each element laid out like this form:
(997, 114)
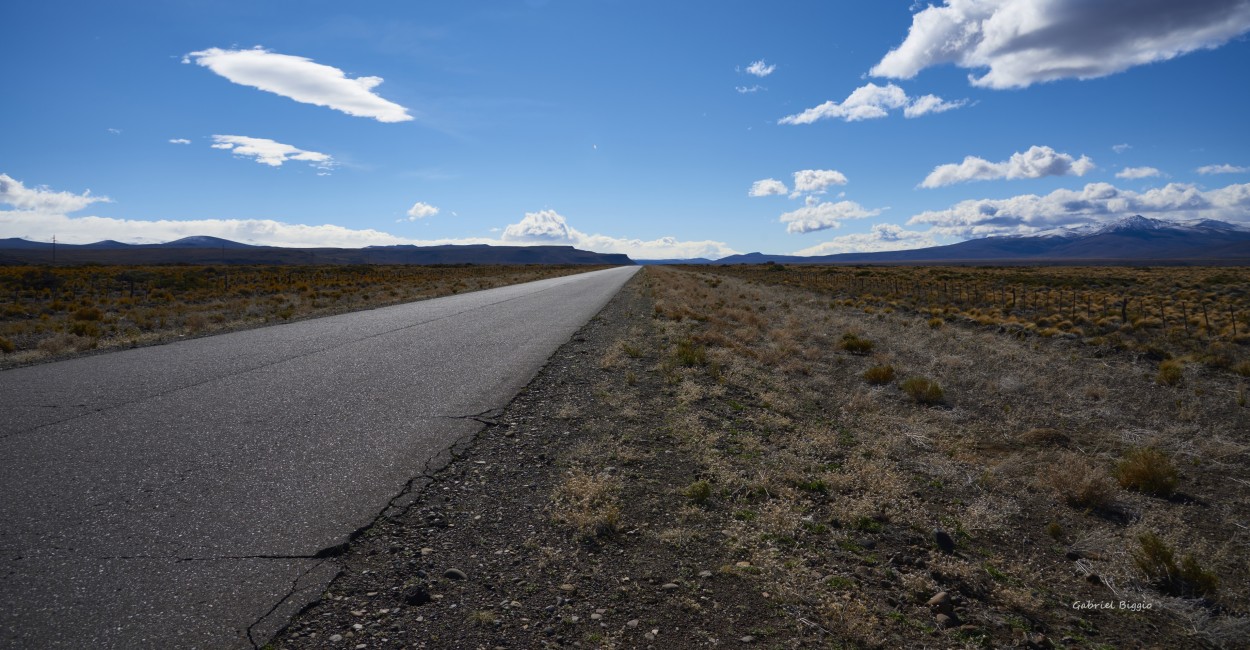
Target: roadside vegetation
(723, 460)
(52, 312)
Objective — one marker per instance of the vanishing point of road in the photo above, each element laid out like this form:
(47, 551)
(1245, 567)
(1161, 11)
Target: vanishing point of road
(194, 495)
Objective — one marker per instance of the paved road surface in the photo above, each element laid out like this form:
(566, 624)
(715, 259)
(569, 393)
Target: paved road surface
(190, 495)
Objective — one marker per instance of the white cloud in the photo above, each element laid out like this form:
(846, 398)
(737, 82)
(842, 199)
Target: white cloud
(760, 69)
(1037, 162)
(1121, 148)
(269, 152)
(870, 102)
(747, 90)
(1133, 173)
(817, 215)
(768, 187)
(1022, 42)
(549, 227)
(301, 79)
(1221, 169)
(882, 237)
(421, 210)
(115, 131)
(43, 200)
(817, 180)
(179, 141)
(1095, 203)
(926, 104)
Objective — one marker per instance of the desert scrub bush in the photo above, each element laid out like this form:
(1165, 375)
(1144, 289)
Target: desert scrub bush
(1170, 372)
(923, 391)
(854, 344)
(698, 492)
(587, 503)
(1157, 562)
(936, 323)
(689, 354)
(879, 375)
(1148, 471)
(1079, 483)
(6, 346)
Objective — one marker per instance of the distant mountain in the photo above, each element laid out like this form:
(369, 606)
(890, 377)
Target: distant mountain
(204, 242)
(214, 250)
(1134, 239)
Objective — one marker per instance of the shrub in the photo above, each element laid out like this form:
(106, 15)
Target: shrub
(6, 346)
(88, 313)
(699, 491)
(1080, 483)
(689, 355)
(1148, 471)
(1170, 372)
(936, 323)
(855, 345)
(923, 391)
(878, 375)
(1157, 561)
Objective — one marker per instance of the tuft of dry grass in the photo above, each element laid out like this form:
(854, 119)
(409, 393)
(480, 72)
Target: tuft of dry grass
(1148, 471)
(1171, 372)
(1079, 483)
(587, 503)
(923, 391)
(1157, 561)
(879, 375)
(855, 344)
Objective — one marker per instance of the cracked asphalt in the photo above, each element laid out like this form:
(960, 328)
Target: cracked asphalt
(195, 495)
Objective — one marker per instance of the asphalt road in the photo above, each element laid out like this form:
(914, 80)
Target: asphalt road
(192, 495)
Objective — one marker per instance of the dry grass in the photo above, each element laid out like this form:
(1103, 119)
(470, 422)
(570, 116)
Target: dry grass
(587, 504)
(810, 467)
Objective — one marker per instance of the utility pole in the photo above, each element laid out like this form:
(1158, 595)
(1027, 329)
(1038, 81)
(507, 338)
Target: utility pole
(54, 248)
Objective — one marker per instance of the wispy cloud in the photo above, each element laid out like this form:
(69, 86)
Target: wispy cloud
(43, 200)
(1023, 42)
(747, 90)
(1133, 173)
(1037, 162)
(1207, 170)
(115, 131)
(269, 152)
(1121, 148)
(760, 69)
(1095, 203)
(869, 102)
(420, 210)
(179, 141)
(301, 79)
(882, 237)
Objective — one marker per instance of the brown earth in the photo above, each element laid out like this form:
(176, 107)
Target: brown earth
(705, 465)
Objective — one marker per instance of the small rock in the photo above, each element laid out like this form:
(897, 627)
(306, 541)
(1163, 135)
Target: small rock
(945, 621)
(566, 587)
(1039, 642)
(632, 623)
(705, 574)
(361, 646)
(358, 627)
(747, 639)
(427, 550)
(596, 617)
(669, 586)
(454, 574)
(742, 565)
(944, 541)
(942, 604)
(358, 612)
(416, 595)
(336, 638)
(549, 631)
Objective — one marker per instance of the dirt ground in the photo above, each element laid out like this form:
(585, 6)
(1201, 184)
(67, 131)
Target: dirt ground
(716, 463)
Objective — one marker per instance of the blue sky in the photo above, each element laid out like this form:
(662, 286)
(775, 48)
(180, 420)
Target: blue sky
(658, 129)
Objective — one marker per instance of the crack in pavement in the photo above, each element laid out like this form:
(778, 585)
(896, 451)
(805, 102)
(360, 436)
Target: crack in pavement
(295, 588)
